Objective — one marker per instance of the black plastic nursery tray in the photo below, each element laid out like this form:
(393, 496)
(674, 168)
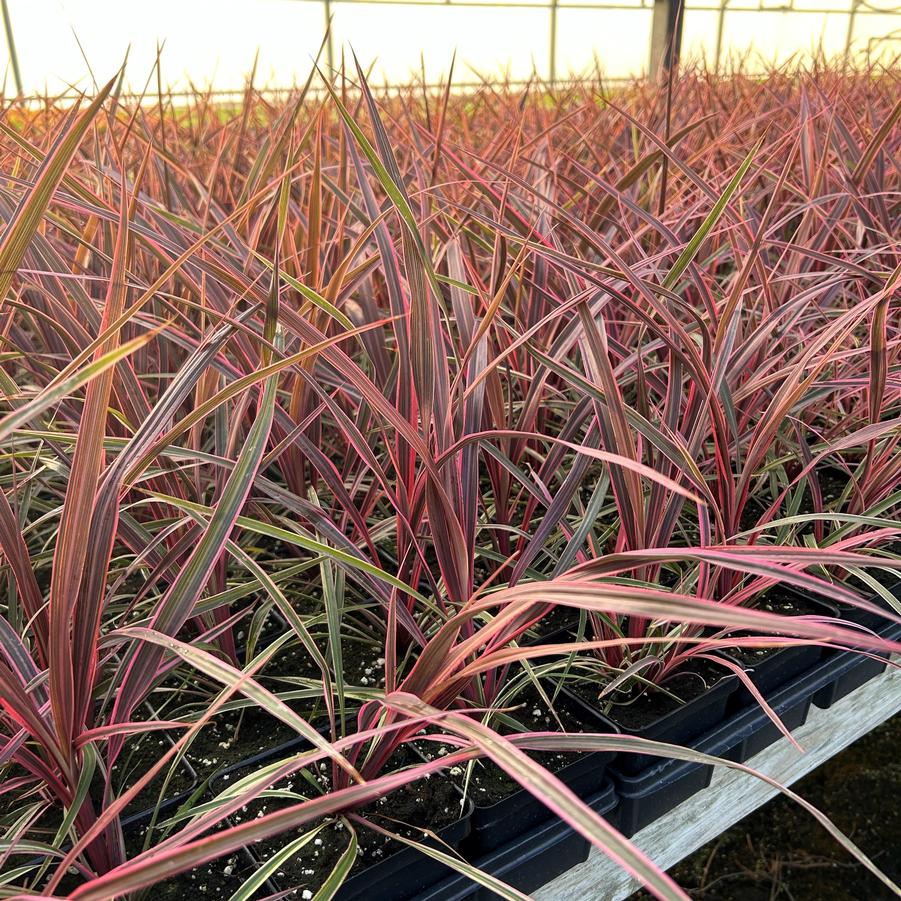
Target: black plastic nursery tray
(517, 840)
(401, 875)
(683, 725)
(529, 861)
(851, 669)
(405, 873)
(530, 855)
(646, 796)
(866, 618)
(499, 822)
(771, 669)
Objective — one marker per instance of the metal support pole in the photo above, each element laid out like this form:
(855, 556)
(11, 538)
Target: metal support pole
(849, 37)
(329, 39)
(666, 35)
(11, 45)
(720, 24)
(552, 66)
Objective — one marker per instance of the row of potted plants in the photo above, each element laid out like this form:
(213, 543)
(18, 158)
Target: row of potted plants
(508, 833)
(394, 490)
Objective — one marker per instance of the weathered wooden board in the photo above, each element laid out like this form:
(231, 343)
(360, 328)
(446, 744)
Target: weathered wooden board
(732, 795)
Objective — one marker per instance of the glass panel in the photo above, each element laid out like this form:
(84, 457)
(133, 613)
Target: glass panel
(288, 33)
(618, 39)
(494, 42)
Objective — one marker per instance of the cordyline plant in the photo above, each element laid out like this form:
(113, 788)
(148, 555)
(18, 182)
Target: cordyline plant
(427, 377)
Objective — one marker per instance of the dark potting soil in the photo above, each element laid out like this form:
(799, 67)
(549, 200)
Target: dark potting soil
(558, 618)
(14, 802)
(750, 515)
(235, 735)
(219, 878)
(361, 663)
(11, 800)
(780, 853)
(787, 603)
(293, 661)
(832, 483)
(138, 756)
(752, 657)
(636, 707)
(488, 783)
(230, 736)
(784, 603)
(429, 804)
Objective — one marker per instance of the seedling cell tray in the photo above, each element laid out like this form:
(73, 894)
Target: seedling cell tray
(682, 726)
(534, 858)
(496, 825)
(780, 668)
(851, 670)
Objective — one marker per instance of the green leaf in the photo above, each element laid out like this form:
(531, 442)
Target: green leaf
(25, 220)
(691, 249)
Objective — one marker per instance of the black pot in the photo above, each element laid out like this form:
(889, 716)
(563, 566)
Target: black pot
(648, 795)
(503, 822)
(531, 860)
(654, 792)
(166, 807)
(791, 703)
(169, 803)
(241, 863)
(400, 876)
(865, 618)
(850, 669)
(834, 674)
(133, 825)
(681, 726)
(774, 672)
(781, 667)
(405, 874)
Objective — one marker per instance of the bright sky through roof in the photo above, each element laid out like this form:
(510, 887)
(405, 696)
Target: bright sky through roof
(213, 42)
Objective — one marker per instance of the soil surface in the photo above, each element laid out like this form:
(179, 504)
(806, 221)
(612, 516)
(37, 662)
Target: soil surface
(486, 783)
(780, 853)
(787, 603)
(235, 735)
(219, 878)
(557, 619)
(639, 708)
(427, 804)
(784, 603)
(137, 756)
(832, 483)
